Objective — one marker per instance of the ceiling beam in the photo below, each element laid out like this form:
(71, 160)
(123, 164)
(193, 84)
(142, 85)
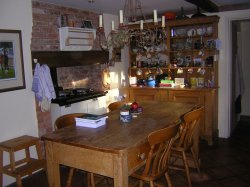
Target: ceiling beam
(233, 7)
(206, 5)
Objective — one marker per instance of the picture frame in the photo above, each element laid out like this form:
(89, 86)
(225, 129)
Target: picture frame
(12, 75)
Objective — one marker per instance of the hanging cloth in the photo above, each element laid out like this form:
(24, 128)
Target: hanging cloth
(43, 86)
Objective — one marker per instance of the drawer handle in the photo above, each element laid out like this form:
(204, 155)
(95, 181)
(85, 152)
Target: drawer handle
(142, 156)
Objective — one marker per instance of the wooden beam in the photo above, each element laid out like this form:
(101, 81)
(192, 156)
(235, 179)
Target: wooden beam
(69, 58)
(206, 5)
(234, 7)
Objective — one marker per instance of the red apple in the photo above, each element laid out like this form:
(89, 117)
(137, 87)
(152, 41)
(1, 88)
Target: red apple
(134, 105)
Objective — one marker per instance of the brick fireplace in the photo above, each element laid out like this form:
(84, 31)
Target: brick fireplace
(45, 37)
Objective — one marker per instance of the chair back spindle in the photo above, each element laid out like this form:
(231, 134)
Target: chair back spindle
(66, 120)
(160, 144)
(114, 106)
(190, 122)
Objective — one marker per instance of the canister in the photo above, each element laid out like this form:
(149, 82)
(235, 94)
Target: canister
(125, 116)
(193, 82)
(200, 82)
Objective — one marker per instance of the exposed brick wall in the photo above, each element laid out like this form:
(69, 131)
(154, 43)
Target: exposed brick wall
(83, 76)
(46, 21)
(45, 36)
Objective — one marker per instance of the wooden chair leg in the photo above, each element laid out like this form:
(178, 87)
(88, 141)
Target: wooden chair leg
(168, 180)
(92, 179)
(69, 180)
(88, 180)
(186, 168)
(141, 183)
(27, 153)
(19, 181)
(151, 183)
(196, 163)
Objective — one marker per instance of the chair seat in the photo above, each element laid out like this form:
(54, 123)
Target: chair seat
(149, 177)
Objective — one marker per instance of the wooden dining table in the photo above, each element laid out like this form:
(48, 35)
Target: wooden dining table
(115, 149)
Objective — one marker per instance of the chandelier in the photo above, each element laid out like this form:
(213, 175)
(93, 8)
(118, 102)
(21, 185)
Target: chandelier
(147, 34)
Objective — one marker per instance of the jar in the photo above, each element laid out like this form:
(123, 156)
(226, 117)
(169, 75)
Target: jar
(125, 116)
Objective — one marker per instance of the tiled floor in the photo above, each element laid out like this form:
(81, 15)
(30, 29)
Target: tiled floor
(226, 164)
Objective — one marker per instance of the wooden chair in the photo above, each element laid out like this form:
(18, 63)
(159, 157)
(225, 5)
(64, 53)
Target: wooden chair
(114, 106)
(157, 160)
(183, 147)
(67, 121)
(22, 167)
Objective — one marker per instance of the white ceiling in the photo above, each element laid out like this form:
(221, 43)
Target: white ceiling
(113, 6)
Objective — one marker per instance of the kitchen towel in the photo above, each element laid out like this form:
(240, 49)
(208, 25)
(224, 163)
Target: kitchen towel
(43, 86)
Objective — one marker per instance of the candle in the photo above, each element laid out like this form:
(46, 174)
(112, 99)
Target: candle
(112, 25)
(100, 20)
(163, 21)
(155, 16)
(141, 25)
(121, 17)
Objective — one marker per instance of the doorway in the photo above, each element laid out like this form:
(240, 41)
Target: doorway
(240, 77)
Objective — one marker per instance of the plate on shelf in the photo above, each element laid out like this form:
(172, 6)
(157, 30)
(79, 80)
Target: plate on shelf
(180, 32)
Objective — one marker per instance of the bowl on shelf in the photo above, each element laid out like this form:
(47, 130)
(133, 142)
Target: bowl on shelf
(209, 30)
(181, 32)
(170, 15)
(151, 83)
(201, 31)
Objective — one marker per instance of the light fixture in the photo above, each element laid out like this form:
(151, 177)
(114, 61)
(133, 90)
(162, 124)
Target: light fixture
(141, 37)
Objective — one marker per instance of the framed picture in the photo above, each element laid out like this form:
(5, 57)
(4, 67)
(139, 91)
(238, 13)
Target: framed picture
(87, 24)
(11, 61)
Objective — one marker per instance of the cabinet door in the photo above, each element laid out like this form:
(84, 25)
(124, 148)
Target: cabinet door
(144, 95)
(164, 94)
(191, 97)
(97, 105)
(186, 97)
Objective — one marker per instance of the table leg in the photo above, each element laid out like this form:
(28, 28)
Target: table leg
(53, 171)
(120, 171)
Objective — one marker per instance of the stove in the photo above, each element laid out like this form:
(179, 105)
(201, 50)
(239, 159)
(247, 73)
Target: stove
(69, 96)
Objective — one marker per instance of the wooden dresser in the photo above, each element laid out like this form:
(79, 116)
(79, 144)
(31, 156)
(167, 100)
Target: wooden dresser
(203, 96)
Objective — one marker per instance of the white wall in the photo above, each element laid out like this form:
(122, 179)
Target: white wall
(17, 108)
(245, 41)
(225, 69)
(119, 71)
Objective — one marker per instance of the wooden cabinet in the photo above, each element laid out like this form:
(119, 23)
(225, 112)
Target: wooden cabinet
(187, 96)
(76, 39)
(188, 49)
(144, 94)
(193, 48)
(206, 97)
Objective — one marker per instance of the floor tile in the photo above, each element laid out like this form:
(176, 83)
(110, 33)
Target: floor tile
(233, 182)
